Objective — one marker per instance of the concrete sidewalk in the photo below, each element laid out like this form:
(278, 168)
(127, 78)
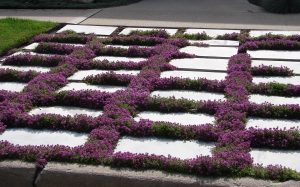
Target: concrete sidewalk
(74, 16)
(195, 13)
(237, 14)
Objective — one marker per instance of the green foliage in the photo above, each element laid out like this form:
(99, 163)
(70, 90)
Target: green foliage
(15, 32)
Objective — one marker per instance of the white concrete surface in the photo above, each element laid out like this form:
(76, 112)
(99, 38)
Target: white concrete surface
(179, 149)
(181, 118)
(23, 136)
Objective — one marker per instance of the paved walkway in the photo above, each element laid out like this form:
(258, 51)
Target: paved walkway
(57, 15)
(172, 13)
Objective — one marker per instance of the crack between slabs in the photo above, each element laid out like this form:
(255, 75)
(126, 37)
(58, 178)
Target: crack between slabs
(36, 176)
(89, 16)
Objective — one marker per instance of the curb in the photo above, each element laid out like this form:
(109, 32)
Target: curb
(21, 174)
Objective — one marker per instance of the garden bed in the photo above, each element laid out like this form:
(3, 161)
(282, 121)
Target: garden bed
(174, 105)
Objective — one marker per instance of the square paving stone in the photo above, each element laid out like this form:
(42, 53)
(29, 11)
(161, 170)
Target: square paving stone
(24, 136)
(65, 111)
(283, 80)
(223, 52)
(119, 59)
(266, 123)
(194, 75)
(276, 100)
(12, 86)
(275, 54)
(227, 43)
(201, 63)
(190, 95)
(175, 148)
(89, 29)
(180, 118)
(286, 158)
(83, 86)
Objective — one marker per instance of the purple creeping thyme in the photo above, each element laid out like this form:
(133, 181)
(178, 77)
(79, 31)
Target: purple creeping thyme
(263, 70)
(270, 44)
(287, 90)
(33, 60)
(2, 127)
(233, 141)
(151, 33)
(64, 37)
(10, 75)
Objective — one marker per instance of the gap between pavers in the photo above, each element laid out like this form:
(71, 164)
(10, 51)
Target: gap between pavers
(63, 175)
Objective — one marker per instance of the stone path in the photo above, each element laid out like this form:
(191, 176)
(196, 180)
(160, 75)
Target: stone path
(194, 68)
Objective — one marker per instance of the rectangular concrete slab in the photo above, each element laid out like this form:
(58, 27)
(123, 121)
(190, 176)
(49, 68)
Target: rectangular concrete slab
(74, 86)
(181, 118)
(24, 136)
(65, 111)
(119, 59)
(26, 68)
(190, 95)
(285, 158)
(194, 75)
(12, 86)
(89, 29)
(227, 43)
(31, 46)
(200, 63)
(276, 100)
(262, 123)
(127, 46)
(211, 32)
(257, 33)
(80, 75)
(283, 80)
(174, 148)
(128, 30)
(295, 66)
(224, 52)
(272, 54)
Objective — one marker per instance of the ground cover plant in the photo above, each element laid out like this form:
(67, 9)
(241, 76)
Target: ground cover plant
(15, 32)
(232, 140)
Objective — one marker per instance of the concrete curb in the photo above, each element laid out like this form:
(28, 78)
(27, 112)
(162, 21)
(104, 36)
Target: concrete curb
(16, 173)
(56, 174)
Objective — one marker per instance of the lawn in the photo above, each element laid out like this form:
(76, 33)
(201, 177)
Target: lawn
(62, 3)
(14, 32)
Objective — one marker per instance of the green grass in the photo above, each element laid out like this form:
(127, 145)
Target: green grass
(62, 3)
(15, 32)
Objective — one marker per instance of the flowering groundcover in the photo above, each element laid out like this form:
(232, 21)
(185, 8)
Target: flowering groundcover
(233, 141)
